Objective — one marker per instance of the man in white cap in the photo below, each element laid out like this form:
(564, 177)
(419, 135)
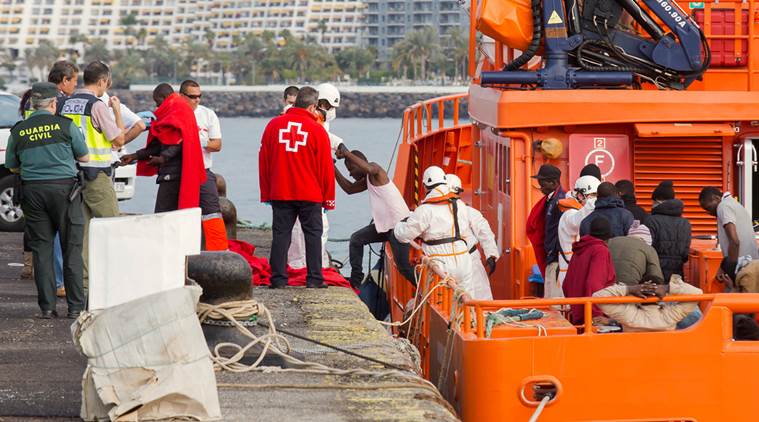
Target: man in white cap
(478, 231)
(438, 221)
(574, 210)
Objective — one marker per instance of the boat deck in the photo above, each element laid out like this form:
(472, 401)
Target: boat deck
(41, 370)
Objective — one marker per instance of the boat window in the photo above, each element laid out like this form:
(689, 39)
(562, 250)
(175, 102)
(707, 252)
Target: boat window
(8, 110)
(503, 168)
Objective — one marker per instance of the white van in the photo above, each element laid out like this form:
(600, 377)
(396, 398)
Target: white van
(11, 216)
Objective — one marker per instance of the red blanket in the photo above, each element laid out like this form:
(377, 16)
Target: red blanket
(296, 277)
(175, 122)
(536, 233)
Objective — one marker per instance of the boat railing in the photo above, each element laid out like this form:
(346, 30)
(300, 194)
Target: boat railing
(469, 316)
(434, 132)
(425, 117)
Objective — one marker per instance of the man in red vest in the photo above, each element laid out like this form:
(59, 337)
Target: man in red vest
(297, 178)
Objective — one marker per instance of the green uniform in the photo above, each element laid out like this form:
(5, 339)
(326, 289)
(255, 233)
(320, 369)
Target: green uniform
(43, 147)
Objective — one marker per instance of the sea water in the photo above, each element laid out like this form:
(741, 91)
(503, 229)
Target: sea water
(238, 163)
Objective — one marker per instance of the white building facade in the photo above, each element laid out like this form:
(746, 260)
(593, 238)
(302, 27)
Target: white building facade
(335, 24)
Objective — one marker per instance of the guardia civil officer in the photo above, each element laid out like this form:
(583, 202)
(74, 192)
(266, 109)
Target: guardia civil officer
(44, 149)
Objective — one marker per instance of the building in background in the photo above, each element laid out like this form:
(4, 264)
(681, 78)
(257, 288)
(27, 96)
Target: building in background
(336, 24)
(388, 21)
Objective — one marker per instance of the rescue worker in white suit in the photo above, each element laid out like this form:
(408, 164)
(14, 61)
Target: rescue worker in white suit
(478, 231)
(329, 101)
(438, 221)
(575, 209)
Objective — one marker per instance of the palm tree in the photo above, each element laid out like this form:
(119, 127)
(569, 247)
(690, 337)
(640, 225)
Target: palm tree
(142, 34)
(129, 22)
(458, 50)
(355, 61)
(425, 43)
(96, 49)
(401, 57)
(38, 59)
(322, 27)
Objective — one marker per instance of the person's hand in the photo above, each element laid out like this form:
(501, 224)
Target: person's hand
(722, 277)
(637, 291)
(491, 265)
(340, 153)
(601, 320)
(661, 290)
(115, 103)
(127, 159)
(156, 161)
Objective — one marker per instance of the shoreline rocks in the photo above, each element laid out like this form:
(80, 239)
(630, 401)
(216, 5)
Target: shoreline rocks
(269, 104)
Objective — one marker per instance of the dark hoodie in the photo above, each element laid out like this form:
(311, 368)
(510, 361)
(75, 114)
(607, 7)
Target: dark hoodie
(614, 210)
(632, 205)
(671, 234)
(591, 269)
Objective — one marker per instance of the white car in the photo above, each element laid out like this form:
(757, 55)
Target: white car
(11, 216)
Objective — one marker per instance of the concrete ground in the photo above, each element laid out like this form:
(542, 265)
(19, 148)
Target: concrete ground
(40, 370)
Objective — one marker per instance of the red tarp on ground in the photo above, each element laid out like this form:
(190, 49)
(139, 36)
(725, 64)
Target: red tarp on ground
(296, 277)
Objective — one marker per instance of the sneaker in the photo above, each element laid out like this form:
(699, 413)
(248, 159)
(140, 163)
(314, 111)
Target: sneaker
(60, 292)
(279, 285)
(321, 285)
(48, 314)
(73, 314)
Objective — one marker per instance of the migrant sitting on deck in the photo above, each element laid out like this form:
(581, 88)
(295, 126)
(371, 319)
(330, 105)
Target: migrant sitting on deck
(734, 231)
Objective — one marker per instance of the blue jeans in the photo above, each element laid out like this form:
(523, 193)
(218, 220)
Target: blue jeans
(58, 261)
(690, 319)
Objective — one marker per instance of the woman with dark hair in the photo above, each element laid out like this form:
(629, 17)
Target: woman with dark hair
(671, 232)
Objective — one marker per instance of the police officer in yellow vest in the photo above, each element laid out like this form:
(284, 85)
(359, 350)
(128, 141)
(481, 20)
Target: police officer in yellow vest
(44, 149)
(102, 131)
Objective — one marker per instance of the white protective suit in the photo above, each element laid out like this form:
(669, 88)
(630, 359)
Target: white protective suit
(478, 231)
(296, 255)
(569, 233)
(434, 222)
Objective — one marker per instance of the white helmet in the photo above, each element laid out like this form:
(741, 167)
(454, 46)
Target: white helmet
(587, 185)
(454, 182)
(433, 176)
(329, 93)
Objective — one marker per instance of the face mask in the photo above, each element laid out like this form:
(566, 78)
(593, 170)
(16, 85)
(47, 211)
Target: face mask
(331, 114)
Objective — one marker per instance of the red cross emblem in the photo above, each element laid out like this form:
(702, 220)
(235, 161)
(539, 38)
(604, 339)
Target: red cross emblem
(293, 138)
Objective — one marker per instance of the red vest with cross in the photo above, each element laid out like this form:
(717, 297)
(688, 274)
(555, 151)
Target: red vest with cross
(295, 160)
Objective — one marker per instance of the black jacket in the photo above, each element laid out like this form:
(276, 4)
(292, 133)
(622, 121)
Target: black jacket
(671, 234)
(171, 169)
(632, 205)
(553, 215)
(613, 209)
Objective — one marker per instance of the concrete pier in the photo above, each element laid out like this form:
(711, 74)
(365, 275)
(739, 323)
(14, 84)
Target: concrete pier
(40, 370)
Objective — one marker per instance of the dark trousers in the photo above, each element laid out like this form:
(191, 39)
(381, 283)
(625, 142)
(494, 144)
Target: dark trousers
(47, 210)
(209, 196)
(368, 235)
(167, 198)
(284, 215)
